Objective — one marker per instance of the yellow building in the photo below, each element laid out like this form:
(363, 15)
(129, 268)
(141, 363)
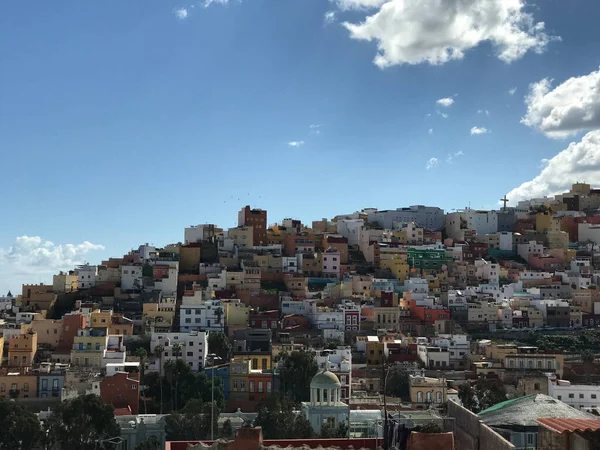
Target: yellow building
(88, 347)
(120, 325)
(22, 349)
(17, 384)
(65, 282)
(1, 349)
(157, 319)
(189, 258)
(242, 236)
(100, 319)
(425, 391)
(268, 262)
(397, 265)
(239, 369)
(498, 352)
(527, 358)
(236, 313)
(48, 331)
(375, 353)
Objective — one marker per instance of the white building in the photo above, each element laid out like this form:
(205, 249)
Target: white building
(193, 348)
(289, 264)
(6, 303)
(147, 252)
(204, 315)
(350, 229)
(198, 233)
(428, 217)
(589, 232)
(433, 357)
(332, 266)
(86, 275)
(325, 402)
(579, 396)
(482, 222)
(131, 277)
(531, 248)
(339, 361)
(485, 270)
(458, 346)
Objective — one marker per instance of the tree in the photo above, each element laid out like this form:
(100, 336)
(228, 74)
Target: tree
(219, 345)
(218, 314)
(297, 371)
(83, 423)
(430, 427)
(152, 443)
(20, 428)
(142, 353)
(279, 420)
(158, 351)
(330, 431)
(484, 394)
(193, 423)
(227, 431)
(587, 357)
(398, 383)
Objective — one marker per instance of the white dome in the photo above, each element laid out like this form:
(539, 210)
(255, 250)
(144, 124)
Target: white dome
(325, 380)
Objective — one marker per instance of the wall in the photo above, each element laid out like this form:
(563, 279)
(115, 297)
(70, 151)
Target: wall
(471, 434)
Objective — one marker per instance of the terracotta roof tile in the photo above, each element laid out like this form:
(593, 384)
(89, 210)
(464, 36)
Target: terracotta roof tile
(559, 425)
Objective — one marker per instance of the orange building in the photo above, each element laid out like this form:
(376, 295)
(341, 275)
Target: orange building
(22, 349)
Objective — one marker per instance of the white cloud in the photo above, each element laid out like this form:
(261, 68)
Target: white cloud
(444, 115)
(359, 4)
(512, 91)
(207, 3)
(571, 107)
(446, 102)
(438, 31)
(478, 130)
(580, 161)
(296, 143)
(452, 156)
(431, 163)
(430, 131)
(181, 13)
(329, 17)
(30, 257)
(483, 111)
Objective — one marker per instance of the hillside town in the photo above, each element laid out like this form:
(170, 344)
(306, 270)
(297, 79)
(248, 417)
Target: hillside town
(408, 328)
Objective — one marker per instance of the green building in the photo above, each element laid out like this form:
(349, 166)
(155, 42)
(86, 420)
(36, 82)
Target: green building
(427, 259)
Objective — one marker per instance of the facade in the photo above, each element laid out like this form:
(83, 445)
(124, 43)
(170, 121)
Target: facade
(425, 391)
(579, 396)
(205, 316)
(22, 349)
(17, 384)
(257, 219)
(325, 404)
(86, 276)
(338, 361)
(131, 277)
(65, 282)
(332, 264)
(192, 348)
(199, 233)
(434, 357)
(429, 217)
(121, 390)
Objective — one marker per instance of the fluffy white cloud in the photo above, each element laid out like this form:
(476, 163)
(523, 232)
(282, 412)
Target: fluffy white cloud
(31, 257)
(570, 107)
(329, 17)
(437, 31)
(430, 131)
(296, 143)
(359, 4)
(207, 3)
(478, 130)
(431, 163)
(580, 161)
(512, 91)
(181, 13)
(448, 101)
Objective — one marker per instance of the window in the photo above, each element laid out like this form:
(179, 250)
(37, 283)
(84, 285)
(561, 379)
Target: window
(593, 396)
(133, 386)
(3, 387)
(252, 386)
(55, 384)
(190, 354)
(44, 384)
(268, 386)
(235, 385)
(188, 320)
(559, 397)
(571, 395)
(580, 395)
(530, 438)
(13, 387)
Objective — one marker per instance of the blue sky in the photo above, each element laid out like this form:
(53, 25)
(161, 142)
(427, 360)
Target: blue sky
(123, 122)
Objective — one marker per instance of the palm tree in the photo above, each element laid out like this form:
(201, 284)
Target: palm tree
(177, 348)
(170, 369)
(158, 351)
(218, 314)
(142, 354)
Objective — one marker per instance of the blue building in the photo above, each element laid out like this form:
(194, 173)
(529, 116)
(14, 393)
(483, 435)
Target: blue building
(222, 372)
(50, 384)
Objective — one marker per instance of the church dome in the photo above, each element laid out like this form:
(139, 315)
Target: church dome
(325, 380)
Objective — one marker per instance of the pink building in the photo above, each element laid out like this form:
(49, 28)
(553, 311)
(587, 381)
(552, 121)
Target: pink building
(545, 262)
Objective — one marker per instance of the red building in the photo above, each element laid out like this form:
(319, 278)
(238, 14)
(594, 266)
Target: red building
(71, 323)
(545, 262)
(257, 219)
(427, 314)
(398, 352)
(121, 390)
(520, 319)
(264, 319)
